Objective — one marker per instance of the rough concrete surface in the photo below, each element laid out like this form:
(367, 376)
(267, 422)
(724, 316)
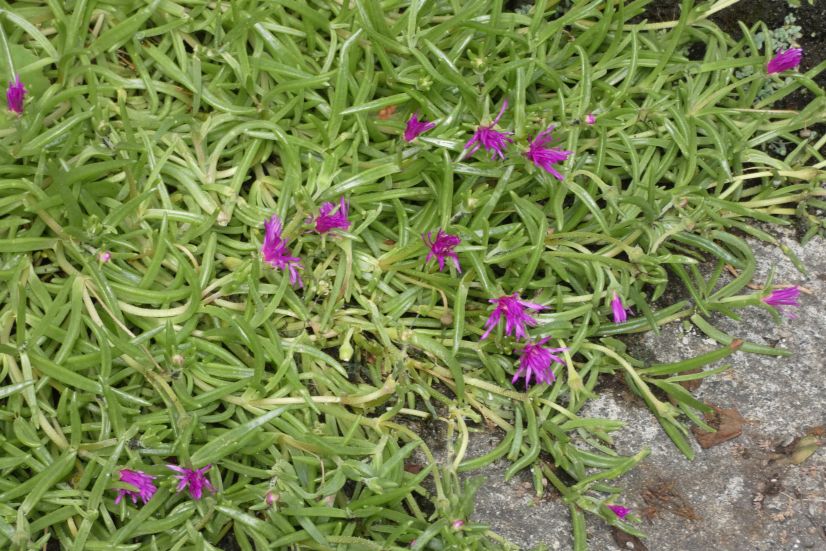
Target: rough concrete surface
(743, 494)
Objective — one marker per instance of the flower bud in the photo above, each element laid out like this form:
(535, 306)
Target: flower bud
(424, 83)
(345, 351)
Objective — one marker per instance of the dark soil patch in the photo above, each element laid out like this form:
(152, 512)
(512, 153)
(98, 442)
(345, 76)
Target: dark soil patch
(811, 17)
(229, 543)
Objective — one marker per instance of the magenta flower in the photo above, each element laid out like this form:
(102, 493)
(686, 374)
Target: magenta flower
(590, 118)
(416, 127)
(15, 94)
(105, 256)
(276, 253)
(546, 157)
(458, 524)
(516, 319)
(785, 60)
(441, 248)
(192, 478)
(139, 480)
(492, 140)
(780, 298)
(619, 309)
(619, 510)
(536, 361)
(328, 220)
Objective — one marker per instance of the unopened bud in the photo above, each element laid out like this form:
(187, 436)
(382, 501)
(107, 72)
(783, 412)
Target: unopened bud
(232, 263)
(345, 351)
(424, 83)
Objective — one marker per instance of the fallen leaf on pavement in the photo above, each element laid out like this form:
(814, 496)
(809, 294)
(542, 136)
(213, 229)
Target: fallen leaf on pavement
(627, 541)
(728, 422)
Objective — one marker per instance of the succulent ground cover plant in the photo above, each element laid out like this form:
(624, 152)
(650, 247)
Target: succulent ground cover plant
(246, 247)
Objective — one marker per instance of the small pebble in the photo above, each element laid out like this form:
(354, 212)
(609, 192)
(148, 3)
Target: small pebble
(772, 506)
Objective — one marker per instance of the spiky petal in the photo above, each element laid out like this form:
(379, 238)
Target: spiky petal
(780, 298)
(619, 309)
(619, 510)
(785, 60)
(193, 479)
(15, 95)
(331, 217)
(512, 308)
(492, 140)
(145, 487)
(276, 253)
(546, 157)
(441, 248)
(536, 361)
(416, 127)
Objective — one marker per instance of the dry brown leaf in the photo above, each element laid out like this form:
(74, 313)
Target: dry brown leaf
(798, 451)
(664, 497)
(627, 541)
(728, 422)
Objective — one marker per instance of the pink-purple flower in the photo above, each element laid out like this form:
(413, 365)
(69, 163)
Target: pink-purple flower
(104, 256)
(785, 60)
(546, 157)
(415, 127)
(780, 298)
(590, 119)
(15, 95)
(492, 140)
(193, 479)
(332, 217)
(276, 253)
(536, 361)
(142, 482)
(619, 510)
(441, 248)
(619, 309)
(513, 309)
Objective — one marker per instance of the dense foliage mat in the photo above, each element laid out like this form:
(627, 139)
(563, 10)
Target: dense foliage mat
(165, 133)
